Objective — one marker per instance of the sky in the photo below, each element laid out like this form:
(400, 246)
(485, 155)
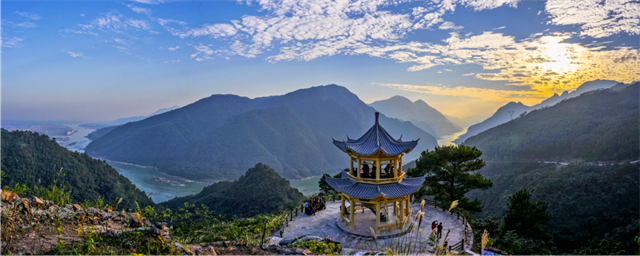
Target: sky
(103, 60)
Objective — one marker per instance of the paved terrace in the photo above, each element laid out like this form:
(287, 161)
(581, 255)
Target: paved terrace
(325, 224)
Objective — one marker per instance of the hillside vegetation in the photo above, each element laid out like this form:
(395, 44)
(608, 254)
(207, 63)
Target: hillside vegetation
(595, 208)
(601, 125)
(221, 136)
(260, 190)
(32, 159)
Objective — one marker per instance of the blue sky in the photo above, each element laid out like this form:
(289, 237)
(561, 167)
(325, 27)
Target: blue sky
(101, 60)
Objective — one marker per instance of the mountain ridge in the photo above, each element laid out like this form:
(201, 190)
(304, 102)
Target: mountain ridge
(326, 111)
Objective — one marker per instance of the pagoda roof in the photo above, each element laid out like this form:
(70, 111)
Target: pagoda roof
(405, 187)
(374, 140)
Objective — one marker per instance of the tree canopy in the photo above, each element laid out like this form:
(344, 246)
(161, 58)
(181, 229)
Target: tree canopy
(451, 174)
(527, 217)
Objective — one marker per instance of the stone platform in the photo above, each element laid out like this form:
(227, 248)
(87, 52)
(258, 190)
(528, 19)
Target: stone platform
(326, 224)
(366, 218)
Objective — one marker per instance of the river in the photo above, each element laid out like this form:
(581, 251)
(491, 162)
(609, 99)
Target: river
(145, 176)
(448, 139)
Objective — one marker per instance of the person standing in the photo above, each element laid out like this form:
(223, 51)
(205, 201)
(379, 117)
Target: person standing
(434, 225)
(440, 230)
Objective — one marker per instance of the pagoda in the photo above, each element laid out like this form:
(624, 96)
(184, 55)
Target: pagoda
(376, 180)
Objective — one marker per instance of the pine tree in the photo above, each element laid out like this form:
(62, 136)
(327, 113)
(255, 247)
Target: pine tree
(450, 174)
(528, 218)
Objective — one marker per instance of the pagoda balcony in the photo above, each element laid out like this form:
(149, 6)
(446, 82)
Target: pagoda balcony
(376, 181)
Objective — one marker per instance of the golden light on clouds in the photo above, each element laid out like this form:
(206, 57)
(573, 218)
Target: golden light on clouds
(545, 64)
(526, 97)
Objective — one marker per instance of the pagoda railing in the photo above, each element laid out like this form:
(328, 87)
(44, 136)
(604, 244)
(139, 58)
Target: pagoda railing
(376, 181)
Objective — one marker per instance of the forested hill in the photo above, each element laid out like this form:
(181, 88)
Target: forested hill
(600, 125)
(503, 114)
(259, 190)
(291, 132)
(31, 159)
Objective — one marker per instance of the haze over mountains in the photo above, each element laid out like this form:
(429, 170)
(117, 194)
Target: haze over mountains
(503, 114)
(124, 120)
(221, 136)
(419, 113)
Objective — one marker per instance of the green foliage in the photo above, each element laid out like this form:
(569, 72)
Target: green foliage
(20, 189)
(597, 126)
(36, 161)
(320, 247)
(131, 243)
(325, 188)
(450, 174)
(588, 203)
(199, 224)
(261, 190)
(528, 218)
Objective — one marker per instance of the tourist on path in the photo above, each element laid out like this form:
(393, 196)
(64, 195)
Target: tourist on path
(434, 225)
(440, 230)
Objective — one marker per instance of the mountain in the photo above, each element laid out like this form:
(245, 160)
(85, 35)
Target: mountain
(221, 136)
(419, 113)
(600, 125)
(32, 159)
(502, 115)
(260, 190)
(121, 121)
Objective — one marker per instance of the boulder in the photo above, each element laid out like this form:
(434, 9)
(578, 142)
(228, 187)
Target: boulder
(209, 250)
(77, 207)
(53, 208)
(8, 196)
(23, 205)
(38, 203)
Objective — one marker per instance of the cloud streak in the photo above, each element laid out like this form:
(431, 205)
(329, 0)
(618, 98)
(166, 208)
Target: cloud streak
(470, 92)
(597, 18)
(77, 55)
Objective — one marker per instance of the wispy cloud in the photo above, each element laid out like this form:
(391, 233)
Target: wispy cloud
(203, 52)
(13, 42)
(449, 25)
(28, 15)
(114, 22)
(175, 48)
(77, 55)
(25, 24)
(309, 29)
(139, 9)
(596, 18)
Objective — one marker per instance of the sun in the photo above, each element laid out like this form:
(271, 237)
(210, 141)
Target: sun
(557, 56)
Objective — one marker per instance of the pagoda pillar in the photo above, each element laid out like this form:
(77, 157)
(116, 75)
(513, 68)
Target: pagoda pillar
(359, 167)
(342, 209)
(401, 212)
(377, 217)
(352, 207)
(378, 169)
(351, 164)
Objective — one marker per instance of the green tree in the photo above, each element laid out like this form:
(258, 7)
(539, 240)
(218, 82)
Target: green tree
(528, 218)
(450, 174)
(325, 188)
